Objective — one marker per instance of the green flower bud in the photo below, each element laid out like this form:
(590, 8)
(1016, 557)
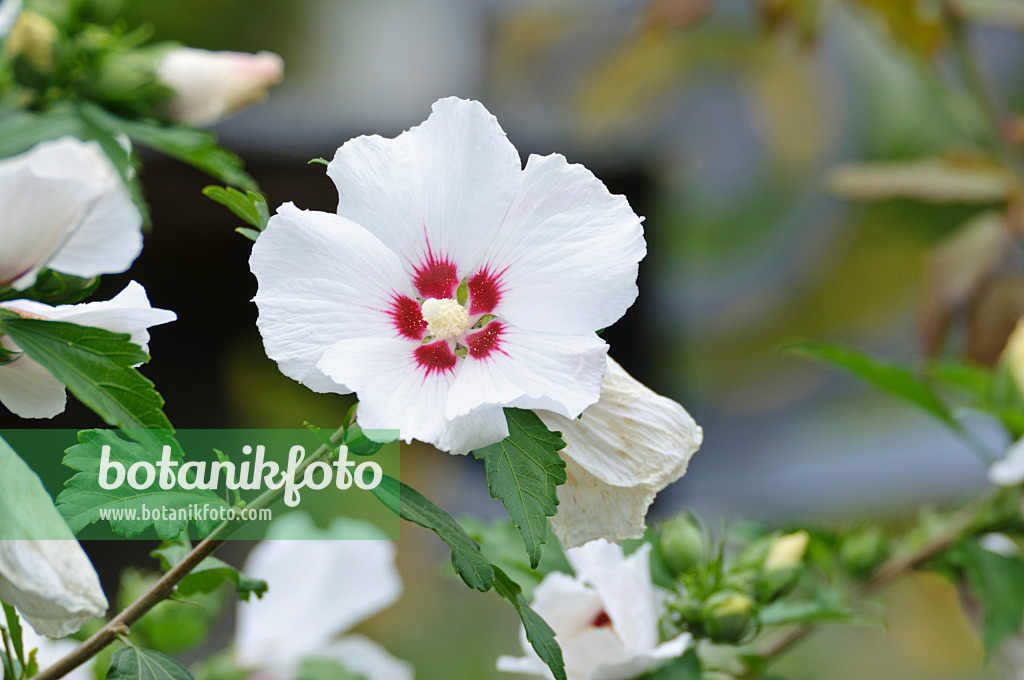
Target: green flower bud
(863, 550)
(781, 567)
(728, 616)
(683, 545)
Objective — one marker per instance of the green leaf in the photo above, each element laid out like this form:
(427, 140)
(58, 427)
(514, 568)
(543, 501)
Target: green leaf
(998, 582)
(895, 380)
(524, 471)
(14, 630)
(250, 206)
(198, 148)
(135, 663)
(685, 667)
(502, 545)
(96, 365)
(538, 632)
(209, 575)
(84, 502)
(824, 610)
(26, 509)
(412, 506)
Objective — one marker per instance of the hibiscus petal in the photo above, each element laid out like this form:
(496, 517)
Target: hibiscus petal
(28, 390)
(560, 373)
(437, 192)
(568, 253)
(318, 590)
(641, 662)
(395, 392)
(322, 279)
(366, 658)
(52, 583)
(109, 238)
(625, 449)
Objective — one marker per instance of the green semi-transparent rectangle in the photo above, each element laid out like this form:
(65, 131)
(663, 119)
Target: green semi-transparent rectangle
(44, 451)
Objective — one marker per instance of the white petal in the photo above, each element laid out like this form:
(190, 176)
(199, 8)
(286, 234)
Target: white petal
(35, 225)
(639, 663)
(395, 393)
(127, 312)
(108, 238)
(568, 251)
(1009, 470)
(28, 390)
(50, 651)
(52, 583)
(625, 449)
(318, 589)
(624, 586)
(9, 10)
(366, 658)
(444, 185)
(321, 279)
(560, 373)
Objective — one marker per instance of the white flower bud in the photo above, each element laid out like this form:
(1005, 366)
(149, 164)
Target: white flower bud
(786, 551)
(211, 86)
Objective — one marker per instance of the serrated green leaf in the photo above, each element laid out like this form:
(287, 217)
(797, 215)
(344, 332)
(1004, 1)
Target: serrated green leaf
(84, 502)
(895, 380)
(198, 148)
(135, 663)
(502, 545)
(97, 367)
(250, 206)
(998, 582)
(538, 632)
(524, 471)
(412, 506)
(209, 575)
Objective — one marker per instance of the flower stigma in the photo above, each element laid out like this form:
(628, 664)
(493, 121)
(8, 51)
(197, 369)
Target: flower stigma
(445, 318)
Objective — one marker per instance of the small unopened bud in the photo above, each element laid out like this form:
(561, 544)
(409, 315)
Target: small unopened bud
(683, 545)
(32, 38)
(863, 550)
(728, 616)
(781, 566)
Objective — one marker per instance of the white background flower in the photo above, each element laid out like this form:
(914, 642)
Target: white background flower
(547, 254)
(27, 389)
(605, 618)
(210, 86)
(65, 208)
(318, 590)
(625, 449)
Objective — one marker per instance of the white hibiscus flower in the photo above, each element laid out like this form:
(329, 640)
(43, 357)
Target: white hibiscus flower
(318, 590)
(210, 86)
(1009, 470)
(27, 389)
(625, 449)
(605, 618)
(65, 208)
(452, 282)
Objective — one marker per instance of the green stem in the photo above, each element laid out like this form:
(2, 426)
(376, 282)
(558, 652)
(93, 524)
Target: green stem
(167, 585)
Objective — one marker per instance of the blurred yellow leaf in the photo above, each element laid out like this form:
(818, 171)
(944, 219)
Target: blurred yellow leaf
(933, 180)
(918, 25)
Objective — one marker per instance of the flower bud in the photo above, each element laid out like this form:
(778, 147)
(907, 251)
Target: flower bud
(863, 550)
(781, 566)
(210, 86)
(32, 38)
(682, 544)
(728, 616)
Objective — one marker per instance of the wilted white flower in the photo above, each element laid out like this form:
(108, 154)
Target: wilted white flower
(625, 449)
(27, 389)
(64, 207)
(318, 590)
(210, 86)
(1009, 470)
(452, 282)
(52, 583)
(605, 618)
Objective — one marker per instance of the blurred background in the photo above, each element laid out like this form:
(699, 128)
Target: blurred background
(720, 120)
